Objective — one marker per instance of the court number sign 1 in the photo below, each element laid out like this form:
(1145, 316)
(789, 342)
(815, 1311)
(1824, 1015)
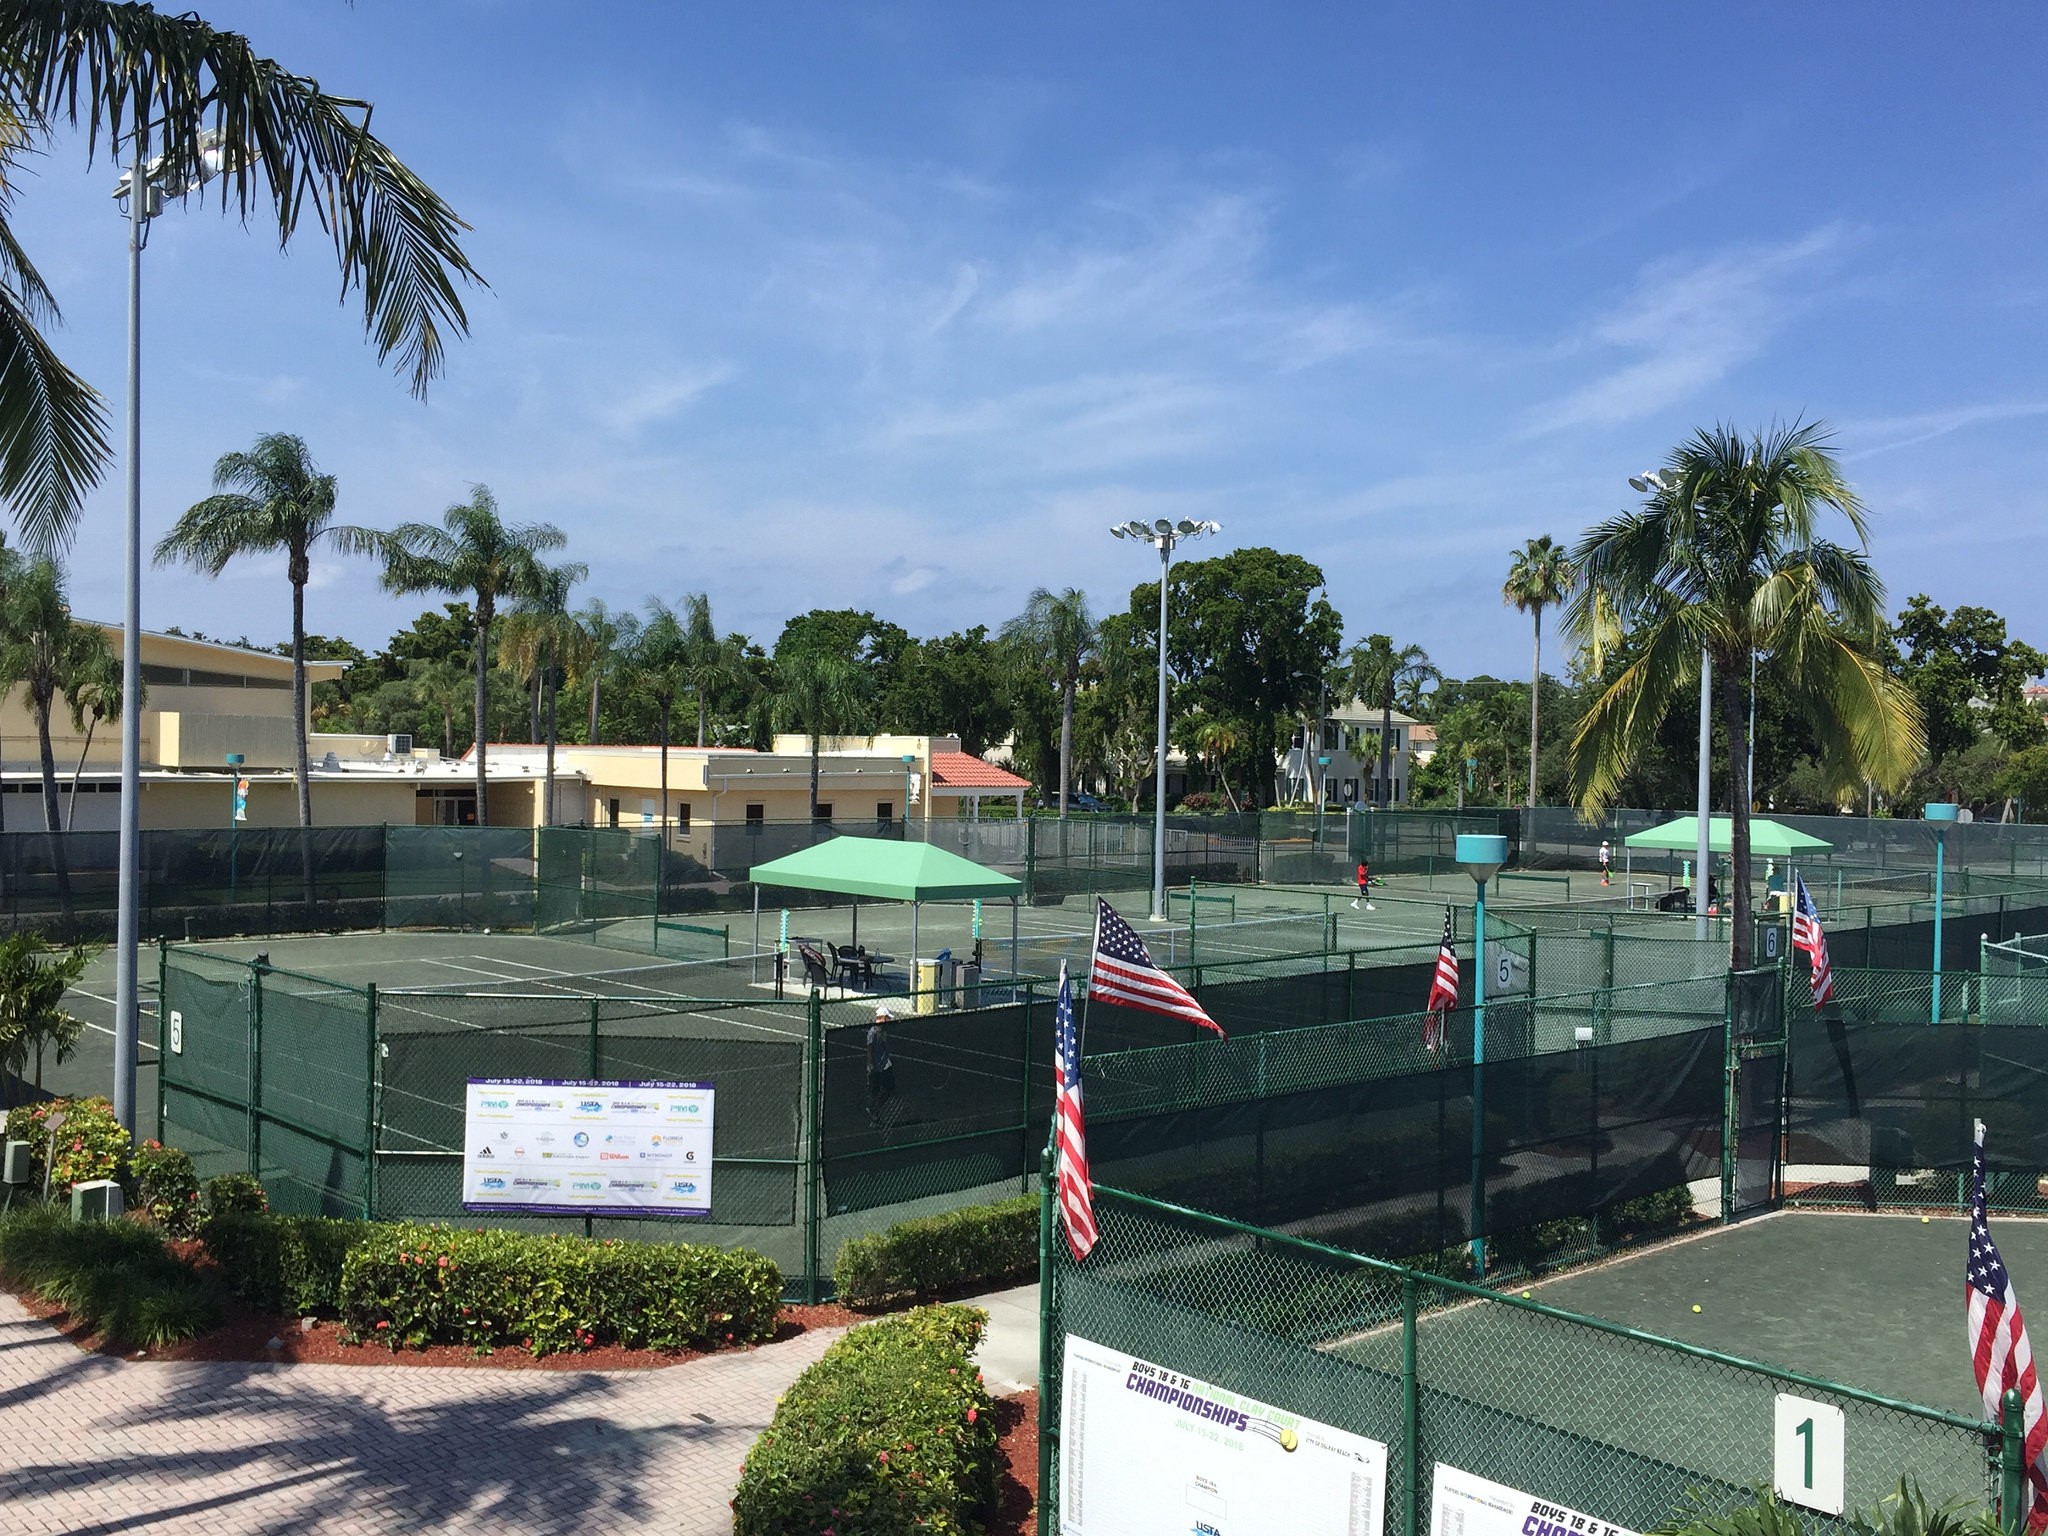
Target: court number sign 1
(1809, 1453)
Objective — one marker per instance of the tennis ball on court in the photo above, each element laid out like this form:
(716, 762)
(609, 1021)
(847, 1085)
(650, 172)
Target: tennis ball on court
(1289, 1440)
(1695, 1306)
(1525, 1295)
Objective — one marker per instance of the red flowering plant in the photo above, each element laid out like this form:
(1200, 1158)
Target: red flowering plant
(86, 1144)
(166, 1187)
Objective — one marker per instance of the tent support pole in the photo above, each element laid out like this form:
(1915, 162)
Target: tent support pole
(1013, 937)
(913, 954)
(755, 973)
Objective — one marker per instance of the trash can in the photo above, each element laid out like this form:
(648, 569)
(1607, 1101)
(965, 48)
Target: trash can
(936, 980)
(925, 983)
(970, 985)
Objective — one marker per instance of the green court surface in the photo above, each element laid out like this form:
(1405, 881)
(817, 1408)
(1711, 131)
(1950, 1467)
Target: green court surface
(1867, 1301)
(1871, 1301)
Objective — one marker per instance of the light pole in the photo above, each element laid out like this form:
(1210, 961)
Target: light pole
(909, 763)
(1941, 815)
(1647, 482)
(1481, 853)
(1322, 794)
(1163, 536)
(140, 210)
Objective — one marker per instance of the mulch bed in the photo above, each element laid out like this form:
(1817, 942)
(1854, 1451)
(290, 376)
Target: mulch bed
(1017, 1418)
(246, 1335)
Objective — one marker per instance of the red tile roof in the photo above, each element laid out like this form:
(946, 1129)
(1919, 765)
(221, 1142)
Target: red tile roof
(963, 770)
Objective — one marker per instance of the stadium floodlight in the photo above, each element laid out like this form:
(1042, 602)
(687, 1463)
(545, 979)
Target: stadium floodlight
(1163, 535)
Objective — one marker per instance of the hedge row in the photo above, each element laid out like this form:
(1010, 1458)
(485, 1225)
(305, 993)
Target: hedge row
(977, 1245)
(115, 1278)
(419, 1285)
(287, 1264)
(891, 1431)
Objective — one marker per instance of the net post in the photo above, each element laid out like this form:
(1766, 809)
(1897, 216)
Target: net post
(589, 1227)
(1350, 985)
(369, 1100)
(2012, 1462)
(1411, 1404)
(1046, 1310)
(814, 1040)
(1024, 1113)
(1728, 1071)
(163, 1054)
(254, 1132)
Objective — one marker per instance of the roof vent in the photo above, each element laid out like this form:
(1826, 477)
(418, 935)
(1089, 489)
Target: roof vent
(330, 763)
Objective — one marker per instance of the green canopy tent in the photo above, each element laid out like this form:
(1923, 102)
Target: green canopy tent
(888, 869)
(1772, 839)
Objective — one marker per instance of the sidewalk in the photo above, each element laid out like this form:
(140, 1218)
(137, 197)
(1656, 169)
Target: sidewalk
(96, 1446)
(1009, 1350)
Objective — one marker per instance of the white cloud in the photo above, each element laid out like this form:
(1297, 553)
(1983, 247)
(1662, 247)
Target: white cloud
(656, 398)
(1691, 324)
(1884, 434)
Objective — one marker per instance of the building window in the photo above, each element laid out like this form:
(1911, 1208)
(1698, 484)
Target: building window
(885, 810)
(683, 814)
(611, 811)
(1332, 734)
(822, 811)
(757, 817)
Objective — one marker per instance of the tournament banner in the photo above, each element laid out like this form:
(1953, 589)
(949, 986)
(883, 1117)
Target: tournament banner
(573, 1147)
(1148, 1451)
(1462, 1504)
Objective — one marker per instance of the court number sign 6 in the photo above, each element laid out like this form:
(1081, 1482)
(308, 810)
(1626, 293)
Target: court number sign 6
(1809, 1455)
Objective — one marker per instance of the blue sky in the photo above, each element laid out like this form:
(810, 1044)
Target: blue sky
(901, 306)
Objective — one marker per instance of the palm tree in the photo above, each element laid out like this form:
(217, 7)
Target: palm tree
(472, 553)
(1726, 555)
(47, 654)
(822, 693)
(1216, 740)
(93, 696)
(270, 500)
(710, 661)
(1056, 634)
(441, 686)
(658, 665)
(607, 639)
(196, 97)
(1540, 576)
(541, 636)
(1373, 672)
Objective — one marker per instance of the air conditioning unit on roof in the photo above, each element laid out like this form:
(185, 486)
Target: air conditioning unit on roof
(399, 745)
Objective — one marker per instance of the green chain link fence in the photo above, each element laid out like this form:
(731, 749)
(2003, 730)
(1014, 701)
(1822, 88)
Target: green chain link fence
(1605, 1419)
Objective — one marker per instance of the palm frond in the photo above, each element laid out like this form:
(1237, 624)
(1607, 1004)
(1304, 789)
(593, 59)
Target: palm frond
(1612, 734)
(53, 431)
(116, 70)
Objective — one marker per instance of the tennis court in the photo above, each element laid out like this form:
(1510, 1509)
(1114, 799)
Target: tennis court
(1868, 1301)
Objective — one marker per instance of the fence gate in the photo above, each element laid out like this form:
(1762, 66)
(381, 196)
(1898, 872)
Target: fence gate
(1756, 1091)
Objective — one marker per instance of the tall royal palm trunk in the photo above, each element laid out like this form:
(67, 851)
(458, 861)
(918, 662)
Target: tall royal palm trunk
(300, 764)
(1735, 720)
(661, 849)
(92, 722)
(548, 813)
(596, 687)
(40, 696)
(486, 610)
(1535, 688)
(1066, 742)
(1386, 763)
(533, 708)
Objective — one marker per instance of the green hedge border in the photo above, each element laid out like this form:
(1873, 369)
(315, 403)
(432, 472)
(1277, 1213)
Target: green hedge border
(974, 1246)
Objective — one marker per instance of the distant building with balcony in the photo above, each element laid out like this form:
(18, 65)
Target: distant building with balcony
(1354, 775)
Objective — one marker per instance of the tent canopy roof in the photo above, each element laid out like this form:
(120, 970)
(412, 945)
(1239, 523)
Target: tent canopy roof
(884, 867)
(1773, 839)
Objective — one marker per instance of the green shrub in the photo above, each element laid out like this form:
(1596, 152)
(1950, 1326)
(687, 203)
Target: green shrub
(115, 1278)
(288, 1264)
(90, 1144)
(974, 1246)
(230, 1194)
(167, 1187)
(1655, 1212)
(890, 1432)
(418, 1285)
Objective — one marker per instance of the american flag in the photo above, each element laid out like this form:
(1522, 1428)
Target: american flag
(1999, 1351)
(1122, 972)
(1443, 990)
(1806, 935)
(1070, 1134)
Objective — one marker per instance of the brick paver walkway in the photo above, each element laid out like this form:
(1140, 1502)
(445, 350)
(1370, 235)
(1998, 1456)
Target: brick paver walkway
(94, 1445)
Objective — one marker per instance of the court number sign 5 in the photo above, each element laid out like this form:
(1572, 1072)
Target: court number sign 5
(177, 1033)
(1809, 1457)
